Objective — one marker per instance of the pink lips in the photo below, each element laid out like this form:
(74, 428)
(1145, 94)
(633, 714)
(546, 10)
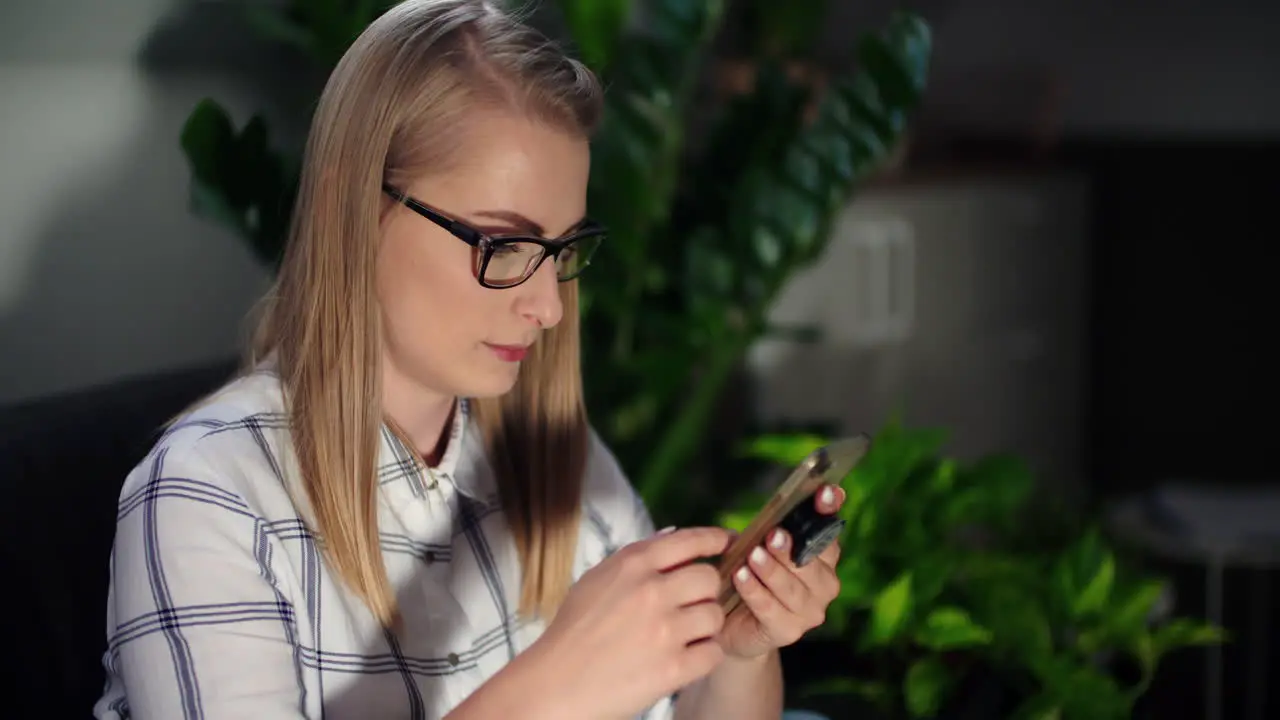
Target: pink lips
(509, 353)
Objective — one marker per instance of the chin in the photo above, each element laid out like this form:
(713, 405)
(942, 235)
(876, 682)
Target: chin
(492, 384)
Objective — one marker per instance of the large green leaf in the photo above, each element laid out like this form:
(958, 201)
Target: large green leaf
(1133, 608)
(890, 613)
(786, 450)
(1014, 611)
(320, 29)
(925, 687)
(949, 628)
(857, 579)
(1185, 632)
(636, 153)
(652, 71)
(1084, 576)
(896, 454)
(999, 487)
(238, 180)
(780, 201)
(596, 26)
(1125, 622)
(691, 267)
(1044, 706)
(1083, 691)
(274, 23)
(785, 29)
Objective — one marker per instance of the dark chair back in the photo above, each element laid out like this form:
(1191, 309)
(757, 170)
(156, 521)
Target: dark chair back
(62, 462)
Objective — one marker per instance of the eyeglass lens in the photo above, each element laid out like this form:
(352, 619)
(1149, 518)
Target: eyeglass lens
(511, 262)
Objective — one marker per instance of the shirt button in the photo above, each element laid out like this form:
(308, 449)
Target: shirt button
(454, 659)
(431, 483)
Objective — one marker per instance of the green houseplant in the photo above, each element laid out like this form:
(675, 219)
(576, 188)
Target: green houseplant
(947, 571)
(706, 225)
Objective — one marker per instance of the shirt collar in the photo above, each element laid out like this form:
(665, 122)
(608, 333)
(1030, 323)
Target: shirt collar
(399, 467)
(464, 464)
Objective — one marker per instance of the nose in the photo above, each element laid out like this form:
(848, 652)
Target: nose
(539, 297)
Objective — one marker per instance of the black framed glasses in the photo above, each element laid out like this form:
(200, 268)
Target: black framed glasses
(506, 260)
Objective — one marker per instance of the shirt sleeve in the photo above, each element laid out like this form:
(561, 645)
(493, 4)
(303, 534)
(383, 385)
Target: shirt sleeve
(618, 516)
(199, 628)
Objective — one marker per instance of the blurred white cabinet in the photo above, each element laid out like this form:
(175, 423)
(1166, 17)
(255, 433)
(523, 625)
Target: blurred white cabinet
(961, 302)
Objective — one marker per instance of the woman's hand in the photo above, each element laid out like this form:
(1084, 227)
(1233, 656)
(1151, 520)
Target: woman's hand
(781, 602)
(637, 627)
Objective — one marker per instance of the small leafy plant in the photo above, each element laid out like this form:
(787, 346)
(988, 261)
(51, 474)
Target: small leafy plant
(946, 570)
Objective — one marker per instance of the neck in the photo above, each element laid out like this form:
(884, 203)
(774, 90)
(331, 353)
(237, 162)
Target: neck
(421, 414)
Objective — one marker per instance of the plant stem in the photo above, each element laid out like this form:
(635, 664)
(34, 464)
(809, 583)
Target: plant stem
(680, 440)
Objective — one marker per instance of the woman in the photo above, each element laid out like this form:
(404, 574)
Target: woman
(386, 516)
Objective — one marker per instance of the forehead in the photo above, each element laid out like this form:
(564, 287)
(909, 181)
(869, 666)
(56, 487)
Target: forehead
(506, 163)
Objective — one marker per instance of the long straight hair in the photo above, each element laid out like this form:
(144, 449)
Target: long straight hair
(393, 110)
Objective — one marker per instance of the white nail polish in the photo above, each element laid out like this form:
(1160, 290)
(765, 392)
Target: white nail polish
(743, 574)
(828, 496)
(778, 540)
(758, 555)
(667, 529)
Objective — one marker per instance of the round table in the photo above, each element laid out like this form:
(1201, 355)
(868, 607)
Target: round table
(1216, 527)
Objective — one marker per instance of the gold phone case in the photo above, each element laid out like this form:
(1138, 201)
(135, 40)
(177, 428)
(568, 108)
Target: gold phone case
(825, 466)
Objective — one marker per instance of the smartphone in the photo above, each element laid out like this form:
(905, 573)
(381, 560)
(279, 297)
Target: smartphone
(793, 508)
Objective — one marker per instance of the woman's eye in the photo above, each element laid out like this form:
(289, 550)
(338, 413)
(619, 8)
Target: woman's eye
(517, 249)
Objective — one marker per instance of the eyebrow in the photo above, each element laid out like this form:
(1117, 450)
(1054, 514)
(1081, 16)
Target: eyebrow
(520, 222)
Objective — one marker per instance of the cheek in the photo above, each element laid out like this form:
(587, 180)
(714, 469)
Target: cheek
(429, 296)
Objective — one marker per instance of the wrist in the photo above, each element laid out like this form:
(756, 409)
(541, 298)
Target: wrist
(551, 683)
(542, 677)
(738, 671)
(758, 661)
(739, 687)
(759, 656)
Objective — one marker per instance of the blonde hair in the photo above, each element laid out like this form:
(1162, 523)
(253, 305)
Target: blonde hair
(392, 111)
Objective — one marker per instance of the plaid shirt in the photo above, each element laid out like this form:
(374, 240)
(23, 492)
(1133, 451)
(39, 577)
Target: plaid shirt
(222, 606)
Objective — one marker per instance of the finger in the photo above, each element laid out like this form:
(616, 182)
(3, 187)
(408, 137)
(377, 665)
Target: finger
(822, 581)
(819, 577)
(780, 548)
(698, 622)
(829, 499)
(782, 581)
(825, 586)
(831, 556)
(696, 662)
(693, 583)
(681, 546)
(764, 605)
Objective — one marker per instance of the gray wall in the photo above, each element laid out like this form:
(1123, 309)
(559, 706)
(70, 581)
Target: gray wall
(103, 272)
(980, 328)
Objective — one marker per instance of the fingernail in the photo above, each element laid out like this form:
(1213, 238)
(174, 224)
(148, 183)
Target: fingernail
(667, 529)
(778, 540)
(828, 496)
(758, 555)
(743, 574)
